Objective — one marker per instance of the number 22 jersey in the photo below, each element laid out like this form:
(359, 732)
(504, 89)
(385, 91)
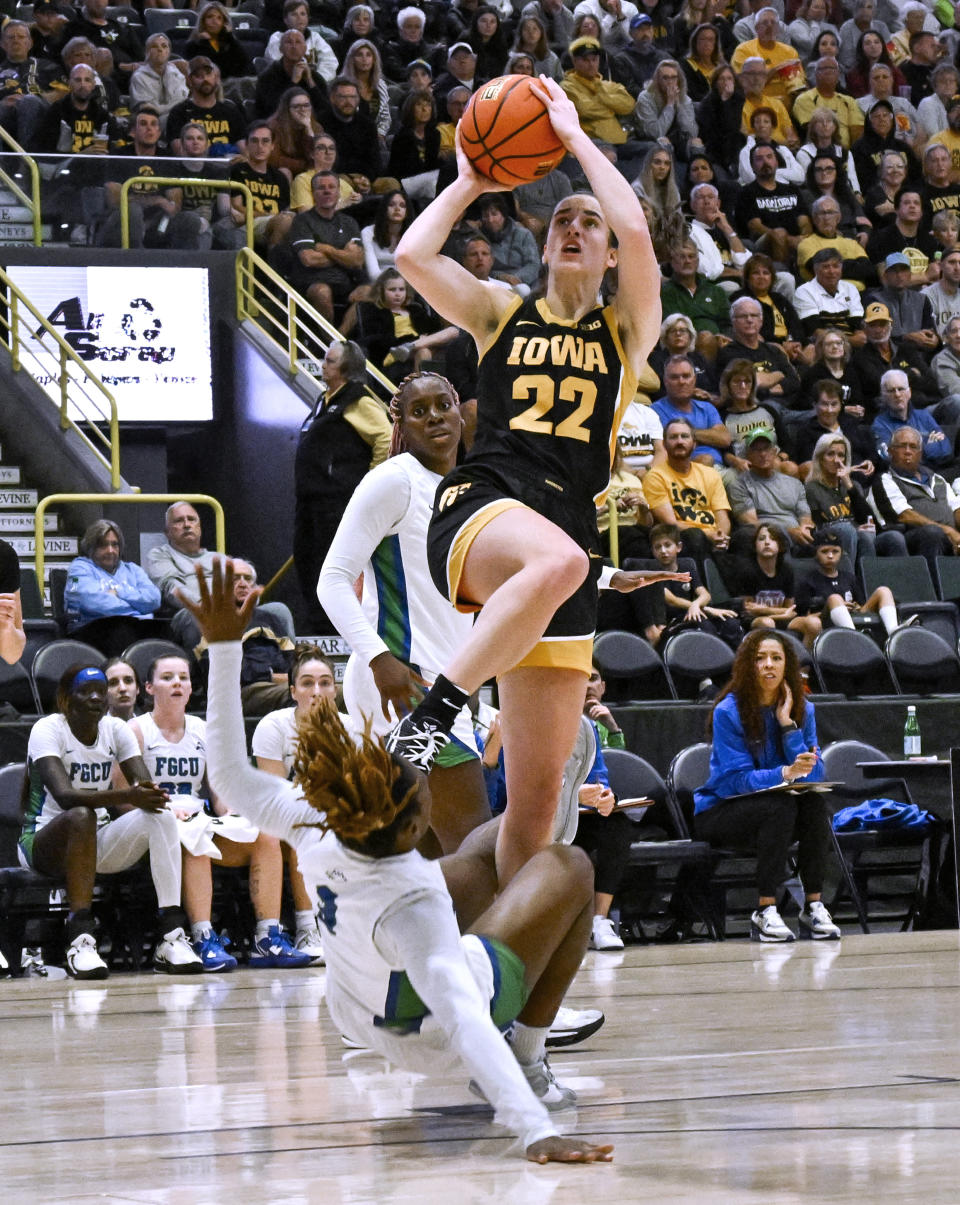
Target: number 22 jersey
(552, 393)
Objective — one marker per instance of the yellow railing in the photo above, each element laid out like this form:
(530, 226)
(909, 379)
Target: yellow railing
(105, 499)
(141, 182)
(83, 390)
(33, 201)
(285, 318)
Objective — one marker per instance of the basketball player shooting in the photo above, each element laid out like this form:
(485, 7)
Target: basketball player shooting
(513, 533)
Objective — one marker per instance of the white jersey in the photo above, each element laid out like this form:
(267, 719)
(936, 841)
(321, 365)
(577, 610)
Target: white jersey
(89, 767)
(177, 767)
(388, 921)
(383, 535)
(275, 737)
(641, 425)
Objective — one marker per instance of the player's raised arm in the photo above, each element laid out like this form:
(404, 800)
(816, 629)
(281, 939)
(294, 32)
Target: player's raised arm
(473, 305)
(637, 303)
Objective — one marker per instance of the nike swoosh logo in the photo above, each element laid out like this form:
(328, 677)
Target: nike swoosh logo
(524, 322)
(595, 556)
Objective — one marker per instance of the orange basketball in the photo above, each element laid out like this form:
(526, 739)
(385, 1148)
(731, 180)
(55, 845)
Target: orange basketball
(506, 132)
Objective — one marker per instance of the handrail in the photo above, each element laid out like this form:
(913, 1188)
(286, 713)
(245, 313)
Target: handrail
(178, 182)
(32, 202)
(279, 315)
(105, 411)
(104, 499)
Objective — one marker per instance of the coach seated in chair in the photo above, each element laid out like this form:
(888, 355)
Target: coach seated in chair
(109, 602)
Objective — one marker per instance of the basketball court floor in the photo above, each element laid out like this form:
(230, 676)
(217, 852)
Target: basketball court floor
(725, 1073)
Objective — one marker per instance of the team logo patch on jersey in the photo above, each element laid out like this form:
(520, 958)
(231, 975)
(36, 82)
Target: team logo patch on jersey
(451, 494)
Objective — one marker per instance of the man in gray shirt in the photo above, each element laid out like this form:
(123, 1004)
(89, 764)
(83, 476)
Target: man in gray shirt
(172, 566)
(762, 494)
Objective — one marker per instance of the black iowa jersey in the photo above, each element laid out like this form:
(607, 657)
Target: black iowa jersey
(551, 394)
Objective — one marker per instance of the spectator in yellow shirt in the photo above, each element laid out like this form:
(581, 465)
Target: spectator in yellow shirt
(776, 56)
(824, 95)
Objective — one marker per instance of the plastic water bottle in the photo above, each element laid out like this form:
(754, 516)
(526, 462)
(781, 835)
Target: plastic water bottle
(911, 734)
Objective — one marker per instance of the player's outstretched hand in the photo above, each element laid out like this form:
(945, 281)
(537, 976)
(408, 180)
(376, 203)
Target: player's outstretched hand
(568, 1150)
(561, 109)
(217, 614)
(635, 579)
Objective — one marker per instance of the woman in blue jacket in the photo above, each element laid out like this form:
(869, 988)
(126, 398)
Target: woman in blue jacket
(106, 591)
(764, 736)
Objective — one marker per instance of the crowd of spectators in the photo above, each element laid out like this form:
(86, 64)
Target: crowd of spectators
(799, 167)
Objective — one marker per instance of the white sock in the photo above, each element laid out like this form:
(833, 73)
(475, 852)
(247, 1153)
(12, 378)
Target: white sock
(840, 617)
(264, 926)
(306, 921)
(201, 930)
(528, 1043)
(888, 617)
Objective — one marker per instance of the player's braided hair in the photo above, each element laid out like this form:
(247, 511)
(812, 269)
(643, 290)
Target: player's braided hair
(360, 790)
(397, 442)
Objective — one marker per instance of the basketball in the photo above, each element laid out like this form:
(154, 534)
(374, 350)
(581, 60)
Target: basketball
(506, 132)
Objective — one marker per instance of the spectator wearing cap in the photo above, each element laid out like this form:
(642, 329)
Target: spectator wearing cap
(880, 353)
(917, 497)
(950, 137)
(634, 65)
(882, 86)
(602, 105)
(879, 136)
(911, 313)
(461, 71)
(409, 44)
(558, 21)
(762, 494)
(778, 57)
(898, 411)
(222, 119)
(614, 17)
(824, 95)
(827, 301)
(905, 234)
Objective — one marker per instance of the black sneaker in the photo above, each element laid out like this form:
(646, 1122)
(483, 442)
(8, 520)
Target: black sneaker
(417, 741)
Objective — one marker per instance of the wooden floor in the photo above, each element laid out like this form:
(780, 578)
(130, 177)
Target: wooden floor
(725, 1073)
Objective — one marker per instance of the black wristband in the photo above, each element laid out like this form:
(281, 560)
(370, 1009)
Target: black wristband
(791, 727)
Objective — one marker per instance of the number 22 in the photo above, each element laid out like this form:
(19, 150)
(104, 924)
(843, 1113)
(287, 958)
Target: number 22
(572, 389)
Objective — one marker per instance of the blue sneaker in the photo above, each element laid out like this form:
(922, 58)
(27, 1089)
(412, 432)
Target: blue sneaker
(212, 950)
(277, 950)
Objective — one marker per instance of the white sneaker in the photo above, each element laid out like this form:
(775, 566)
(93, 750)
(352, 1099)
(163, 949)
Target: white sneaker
(308, 942)
(175, 955)
(83, 961)
(604, 935)
(572, 1025)
(551, 1094)
(767, 925)
(818, 923)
